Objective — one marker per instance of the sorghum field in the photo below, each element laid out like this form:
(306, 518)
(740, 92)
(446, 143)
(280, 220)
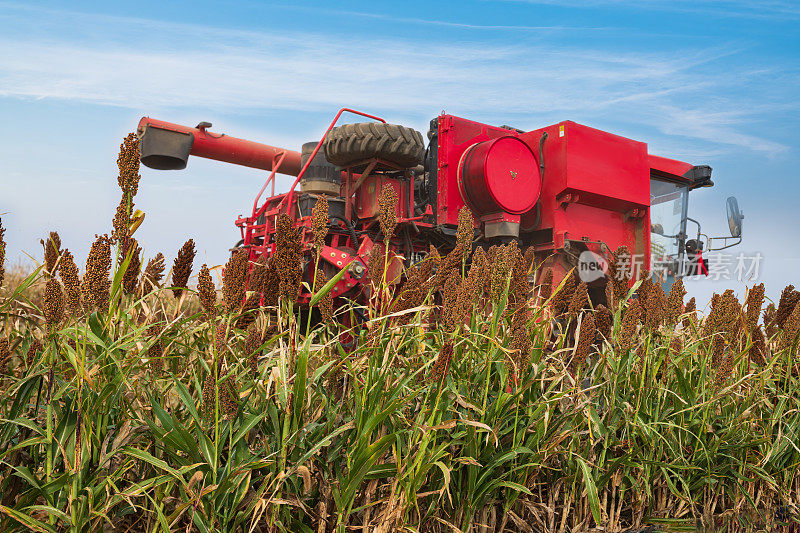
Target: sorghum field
(470, 402)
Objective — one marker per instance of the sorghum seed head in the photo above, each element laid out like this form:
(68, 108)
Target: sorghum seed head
(603, 320)
(560, 301)
(465, 231)
(96, 284)
(620, 271)
(628, 328)
(521, 348)
(387, 211)
(755, 299)
(646, 285)
(442, 364)
(791, 327)
(34, 349)
(610, 301)
(209, 396)
(5, 354)
(220, 336)
(234, 280)
(206, 292)
(725, 370)
(68, 271)
(758, 350)
(52, 251)
(287, 259)
(675, 302)
(376, 263)
(229, 398)
(248, 315)
(122, 220)
(689, 313)
(656, 307)
(128, 164)
(319, 221)
(153, 274)
(252, 342)
(579, 301)
(586, 337)
(53, 303)
(130, 278)
(501, 269)
(789, 298)
(182, 268)
(717, 351)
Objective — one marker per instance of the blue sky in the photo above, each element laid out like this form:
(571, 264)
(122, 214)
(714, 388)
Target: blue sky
(711, 82)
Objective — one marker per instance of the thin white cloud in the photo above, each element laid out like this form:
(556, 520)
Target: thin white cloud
(150, 65)
(761, 9)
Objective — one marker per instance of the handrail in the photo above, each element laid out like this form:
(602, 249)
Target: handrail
(275, 166)
(289, 196)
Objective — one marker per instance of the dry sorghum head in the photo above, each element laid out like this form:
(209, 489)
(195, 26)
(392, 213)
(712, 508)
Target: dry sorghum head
(153, 274)
(791, 327)
(758, 349)
(52, 251)
(96, 284)
(206, 292)
(628, 328)
(789, 298)
(442, 364)
(182, 268)
(656, 306)
(755, 299)
(234, 280)
(603, 320)
(620, 272)
(675, 302)
(586, 337)
(387, 211)
(122, 220)
(131, 276)
(128, 164)
(579, 301)
(34, 349)
(53, 303)
(287, 259)
(319, 221)
(561, 299)
(68, 271)
(689, 312)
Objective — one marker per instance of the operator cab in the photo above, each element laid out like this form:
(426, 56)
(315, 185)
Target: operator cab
(677, 242)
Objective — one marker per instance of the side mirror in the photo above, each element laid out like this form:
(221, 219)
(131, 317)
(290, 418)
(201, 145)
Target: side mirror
(735, 217)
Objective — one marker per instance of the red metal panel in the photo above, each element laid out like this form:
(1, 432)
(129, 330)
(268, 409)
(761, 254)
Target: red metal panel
(669, 168)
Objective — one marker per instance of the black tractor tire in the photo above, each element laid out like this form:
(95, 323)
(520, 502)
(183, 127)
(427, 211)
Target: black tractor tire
(397, 144)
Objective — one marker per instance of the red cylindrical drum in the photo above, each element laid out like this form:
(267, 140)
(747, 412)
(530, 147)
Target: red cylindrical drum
(500, 175)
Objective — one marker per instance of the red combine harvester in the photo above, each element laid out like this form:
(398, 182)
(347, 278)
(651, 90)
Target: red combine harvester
(570, 191)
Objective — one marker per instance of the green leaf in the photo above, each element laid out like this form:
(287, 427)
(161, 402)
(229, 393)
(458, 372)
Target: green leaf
(26, 520)
(591, 490)
(327, 287)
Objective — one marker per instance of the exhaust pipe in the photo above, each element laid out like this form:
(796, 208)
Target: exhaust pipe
(167, 146)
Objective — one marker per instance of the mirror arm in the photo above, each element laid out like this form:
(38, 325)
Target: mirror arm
(725, 239)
